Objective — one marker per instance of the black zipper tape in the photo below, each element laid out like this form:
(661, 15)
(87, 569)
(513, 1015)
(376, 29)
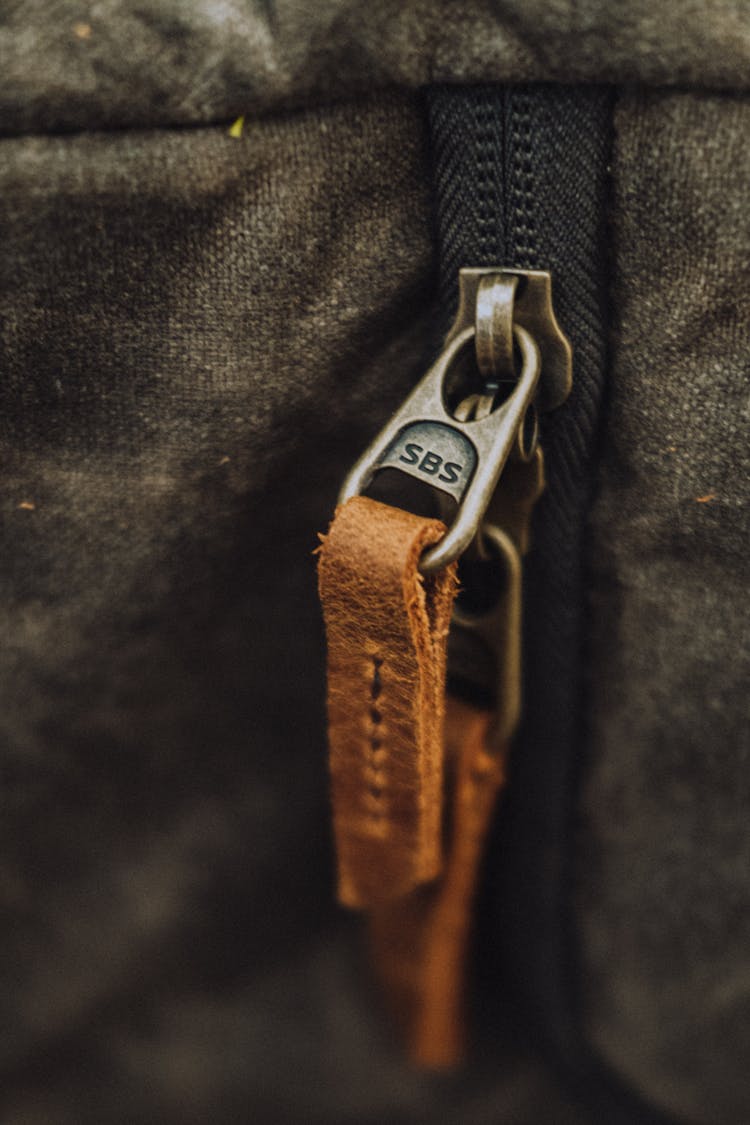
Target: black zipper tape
(521, 181)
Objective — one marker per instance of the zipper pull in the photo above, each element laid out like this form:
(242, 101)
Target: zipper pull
(414, 770)
(463, 421)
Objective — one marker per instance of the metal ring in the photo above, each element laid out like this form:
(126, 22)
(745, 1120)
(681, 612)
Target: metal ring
(475, 501)
(525, 449)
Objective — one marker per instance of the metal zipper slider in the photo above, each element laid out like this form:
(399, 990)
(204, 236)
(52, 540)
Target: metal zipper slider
(470, 414)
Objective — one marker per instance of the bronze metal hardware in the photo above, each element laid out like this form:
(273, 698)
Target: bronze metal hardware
(462, 449)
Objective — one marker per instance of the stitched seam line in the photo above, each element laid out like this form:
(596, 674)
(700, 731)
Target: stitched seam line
(376, 754)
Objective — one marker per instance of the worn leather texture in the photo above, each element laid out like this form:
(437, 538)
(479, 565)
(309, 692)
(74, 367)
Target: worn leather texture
(421, 945)
(386, 639)
(414, 774)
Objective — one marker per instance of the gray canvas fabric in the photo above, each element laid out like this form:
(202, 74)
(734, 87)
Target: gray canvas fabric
(663, 857)
(198, 334)
(69, 65)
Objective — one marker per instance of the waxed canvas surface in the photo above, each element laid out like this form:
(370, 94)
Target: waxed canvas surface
(664, 852)
(166, 61)
(199, 333)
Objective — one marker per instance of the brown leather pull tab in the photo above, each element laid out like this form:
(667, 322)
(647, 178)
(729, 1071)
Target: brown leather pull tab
(420, 944)
(386, 629)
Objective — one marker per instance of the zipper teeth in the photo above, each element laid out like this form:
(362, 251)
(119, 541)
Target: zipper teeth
(504, 184)
(518, 174)
(552, 217)
(485, 140)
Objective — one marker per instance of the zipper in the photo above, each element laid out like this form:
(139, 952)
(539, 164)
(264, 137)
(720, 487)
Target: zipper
(521, 180)
(414, 777)
(520, 177)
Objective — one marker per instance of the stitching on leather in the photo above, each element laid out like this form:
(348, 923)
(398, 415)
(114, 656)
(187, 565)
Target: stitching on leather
(376, 779)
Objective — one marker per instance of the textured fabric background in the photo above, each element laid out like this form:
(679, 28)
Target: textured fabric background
(663, 857)
(198, 335)
(66, 64)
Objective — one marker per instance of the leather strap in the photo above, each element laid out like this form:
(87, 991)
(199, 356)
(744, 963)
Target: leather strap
(420, 944)
(413, 785)
(387, 630)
